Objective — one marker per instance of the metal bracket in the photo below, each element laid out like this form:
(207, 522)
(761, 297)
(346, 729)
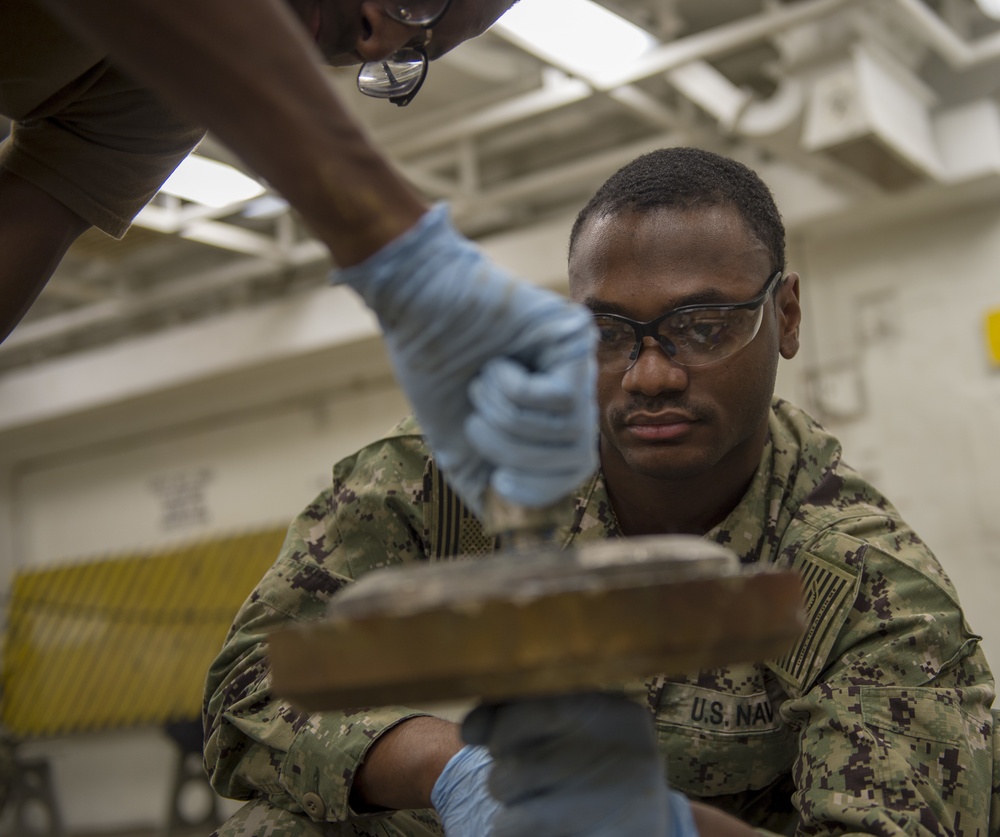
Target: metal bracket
(33, 801)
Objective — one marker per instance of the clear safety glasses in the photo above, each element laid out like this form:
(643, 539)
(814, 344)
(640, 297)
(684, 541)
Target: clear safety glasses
(693, 335)
(399, 77)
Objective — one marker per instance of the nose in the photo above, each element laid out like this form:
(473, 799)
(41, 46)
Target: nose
(654, 372)
(381, 36)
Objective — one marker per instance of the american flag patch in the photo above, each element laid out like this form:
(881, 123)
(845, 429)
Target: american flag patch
(826, 587)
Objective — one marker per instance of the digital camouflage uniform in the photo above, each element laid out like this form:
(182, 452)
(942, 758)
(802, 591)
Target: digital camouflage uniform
(877, 721)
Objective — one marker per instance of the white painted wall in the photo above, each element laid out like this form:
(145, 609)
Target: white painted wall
(897, 313)
(233, 473)
(892, 335)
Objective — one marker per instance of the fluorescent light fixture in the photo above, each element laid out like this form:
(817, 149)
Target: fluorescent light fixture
(265, 207)
(578, 36)
(990, 8)
(210, 183)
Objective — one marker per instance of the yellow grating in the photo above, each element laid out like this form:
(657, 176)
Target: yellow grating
(127, 640)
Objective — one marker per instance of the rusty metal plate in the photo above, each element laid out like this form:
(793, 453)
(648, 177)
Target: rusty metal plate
(555, 621)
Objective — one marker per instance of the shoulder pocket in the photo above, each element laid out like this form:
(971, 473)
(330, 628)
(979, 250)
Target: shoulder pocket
(930, 714)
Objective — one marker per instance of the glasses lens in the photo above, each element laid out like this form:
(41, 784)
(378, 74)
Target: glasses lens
(394, 77)
(706, 335)
(690, 338)
(616, 340)
(418, 13)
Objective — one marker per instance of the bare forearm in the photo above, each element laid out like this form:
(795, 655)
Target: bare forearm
(250, 74)
(35, 231)
(403, 765)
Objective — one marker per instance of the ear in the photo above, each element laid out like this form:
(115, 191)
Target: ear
(786, 302)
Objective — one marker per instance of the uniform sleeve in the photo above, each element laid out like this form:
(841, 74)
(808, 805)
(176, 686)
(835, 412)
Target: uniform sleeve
(260, 745)
(895, 724)
(103, 147)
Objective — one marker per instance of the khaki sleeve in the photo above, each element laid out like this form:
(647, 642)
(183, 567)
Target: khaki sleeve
(103, 148)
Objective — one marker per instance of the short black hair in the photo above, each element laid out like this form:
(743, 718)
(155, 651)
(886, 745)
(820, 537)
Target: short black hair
(682, 177)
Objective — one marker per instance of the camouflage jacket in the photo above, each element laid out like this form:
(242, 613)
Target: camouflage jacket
(877, 721)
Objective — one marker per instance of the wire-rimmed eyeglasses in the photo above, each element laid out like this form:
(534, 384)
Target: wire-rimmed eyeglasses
(692, 335)
(399, 77)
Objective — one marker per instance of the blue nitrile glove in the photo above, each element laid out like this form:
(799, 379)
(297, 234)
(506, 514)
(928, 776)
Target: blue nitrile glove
(460, 795)
(528, 425)
(584, 764)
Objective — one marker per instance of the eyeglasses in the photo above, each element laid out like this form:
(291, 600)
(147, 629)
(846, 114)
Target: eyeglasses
(693, 335)
(398, 78)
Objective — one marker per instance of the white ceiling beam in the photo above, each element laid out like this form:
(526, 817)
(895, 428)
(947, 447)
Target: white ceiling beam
(75, 290)
(558, 91)
(724, 39)
(36, 333)
(584, 170)
(173, 215)
(704, 85)
(310, 322)
(421, 174)
(959, 53)
(646, 106)
(237, 239)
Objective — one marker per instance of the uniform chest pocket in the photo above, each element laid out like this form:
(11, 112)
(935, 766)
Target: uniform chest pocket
(718, 743)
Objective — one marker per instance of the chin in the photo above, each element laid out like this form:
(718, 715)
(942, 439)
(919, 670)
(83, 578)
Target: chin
(667, 465)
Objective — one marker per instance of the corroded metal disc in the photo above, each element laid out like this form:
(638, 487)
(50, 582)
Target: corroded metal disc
(553, 621)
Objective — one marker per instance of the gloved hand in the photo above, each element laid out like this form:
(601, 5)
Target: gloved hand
(584, 764)
(460, 796)
(501, 374)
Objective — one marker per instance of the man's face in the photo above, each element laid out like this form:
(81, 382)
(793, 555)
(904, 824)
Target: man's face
(354, 31)
(660, 419)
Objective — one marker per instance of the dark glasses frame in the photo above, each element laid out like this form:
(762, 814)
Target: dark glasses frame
(404, 58)
(651, 328)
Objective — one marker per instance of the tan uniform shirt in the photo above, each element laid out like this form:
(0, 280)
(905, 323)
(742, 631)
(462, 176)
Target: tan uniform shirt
(84, 131)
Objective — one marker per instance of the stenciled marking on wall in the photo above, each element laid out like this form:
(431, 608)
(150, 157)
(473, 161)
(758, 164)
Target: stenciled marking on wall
(181, 495)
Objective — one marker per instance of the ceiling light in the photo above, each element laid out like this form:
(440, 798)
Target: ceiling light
(208, 182)
(265, 207)
(990, 8)
(578, 36)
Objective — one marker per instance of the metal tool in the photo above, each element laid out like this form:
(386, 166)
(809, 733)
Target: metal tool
(536, 621)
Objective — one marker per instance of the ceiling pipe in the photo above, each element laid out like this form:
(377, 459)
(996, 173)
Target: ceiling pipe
(959, 53)
(556, 93)
(726, 38)
(764, 118)
(595, 167)
(58, 328)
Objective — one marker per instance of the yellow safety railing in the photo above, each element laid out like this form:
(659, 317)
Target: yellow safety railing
(126, 640)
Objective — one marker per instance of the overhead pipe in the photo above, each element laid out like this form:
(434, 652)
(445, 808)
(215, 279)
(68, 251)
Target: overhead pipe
(712, 43)
(411, 141)
(725, 38)
(959, 53)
